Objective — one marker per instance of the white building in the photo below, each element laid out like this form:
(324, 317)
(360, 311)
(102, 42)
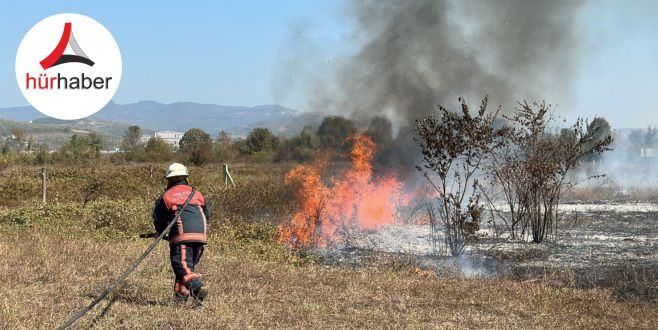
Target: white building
(170, 137)
(647, 152)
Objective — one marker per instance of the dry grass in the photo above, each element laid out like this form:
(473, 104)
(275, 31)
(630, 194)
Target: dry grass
(45, 279)
(56, 259)
(610, 193)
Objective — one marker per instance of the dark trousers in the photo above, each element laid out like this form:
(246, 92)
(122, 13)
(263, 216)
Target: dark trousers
(184, 257)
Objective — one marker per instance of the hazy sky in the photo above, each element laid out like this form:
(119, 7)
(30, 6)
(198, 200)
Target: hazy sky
(239, 52)
(619, 71)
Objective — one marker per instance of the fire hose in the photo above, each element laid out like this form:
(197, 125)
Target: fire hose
(130, 269)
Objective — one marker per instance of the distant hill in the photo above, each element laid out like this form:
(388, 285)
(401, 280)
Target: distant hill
(53, 133)
(181, 116)
(90, 124)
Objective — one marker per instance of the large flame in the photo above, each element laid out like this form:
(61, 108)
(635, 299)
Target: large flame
(354, 201)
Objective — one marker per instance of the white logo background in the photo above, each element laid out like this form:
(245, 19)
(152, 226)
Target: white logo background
(96, 42)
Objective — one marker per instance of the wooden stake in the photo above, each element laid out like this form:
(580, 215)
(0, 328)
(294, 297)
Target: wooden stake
(227, 177)
(43, 184)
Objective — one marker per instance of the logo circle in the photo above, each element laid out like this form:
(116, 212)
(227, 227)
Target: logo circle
(68, 66)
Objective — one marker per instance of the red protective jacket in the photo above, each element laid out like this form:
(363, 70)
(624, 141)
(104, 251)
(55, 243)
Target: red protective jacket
(192, 226)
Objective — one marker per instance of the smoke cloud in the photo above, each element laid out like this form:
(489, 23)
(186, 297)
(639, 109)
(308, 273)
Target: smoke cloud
(411, 56)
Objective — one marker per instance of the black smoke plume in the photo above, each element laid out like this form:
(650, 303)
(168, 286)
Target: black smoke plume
(411, 56)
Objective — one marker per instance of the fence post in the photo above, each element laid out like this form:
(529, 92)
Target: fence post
(43, 184)
(225, 167)
(227, 177)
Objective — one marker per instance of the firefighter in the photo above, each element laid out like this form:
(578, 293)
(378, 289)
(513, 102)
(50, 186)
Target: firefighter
(188, 236)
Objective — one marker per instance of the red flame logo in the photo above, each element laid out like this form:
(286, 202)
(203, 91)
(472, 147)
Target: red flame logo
(58, 57)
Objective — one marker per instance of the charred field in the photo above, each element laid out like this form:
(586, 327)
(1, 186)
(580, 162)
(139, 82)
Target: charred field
(611, 245)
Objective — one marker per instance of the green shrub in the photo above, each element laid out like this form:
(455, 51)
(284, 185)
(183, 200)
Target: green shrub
(119, 218)
(109, 218)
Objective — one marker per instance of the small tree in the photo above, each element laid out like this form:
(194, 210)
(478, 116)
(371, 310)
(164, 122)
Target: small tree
(454, 145)
(197, 145)
(300, 148)
(380, 131)
(261, 139)
(599, 129)
(651, 137)
(18, 138)
(333, 132)
(81, 148)
(131, 139)
(224, 146)
(532, 167)
(156, 149)
(41, 157)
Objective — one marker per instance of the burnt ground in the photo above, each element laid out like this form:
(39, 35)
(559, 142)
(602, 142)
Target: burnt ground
(610, 245)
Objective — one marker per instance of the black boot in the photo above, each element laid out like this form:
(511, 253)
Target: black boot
(200, 293)
(180, 299)
(197, 291)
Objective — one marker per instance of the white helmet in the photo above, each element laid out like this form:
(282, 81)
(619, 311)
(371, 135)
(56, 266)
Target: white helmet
(176, 169)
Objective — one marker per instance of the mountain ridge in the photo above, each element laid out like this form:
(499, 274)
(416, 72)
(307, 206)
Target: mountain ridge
(181, 116)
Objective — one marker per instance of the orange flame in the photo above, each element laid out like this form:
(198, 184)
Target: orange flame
(354, 201)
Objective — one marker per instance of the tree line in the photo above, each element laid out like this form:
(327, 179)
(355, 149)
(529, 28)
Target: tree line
(261, 144)
(197, 146)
